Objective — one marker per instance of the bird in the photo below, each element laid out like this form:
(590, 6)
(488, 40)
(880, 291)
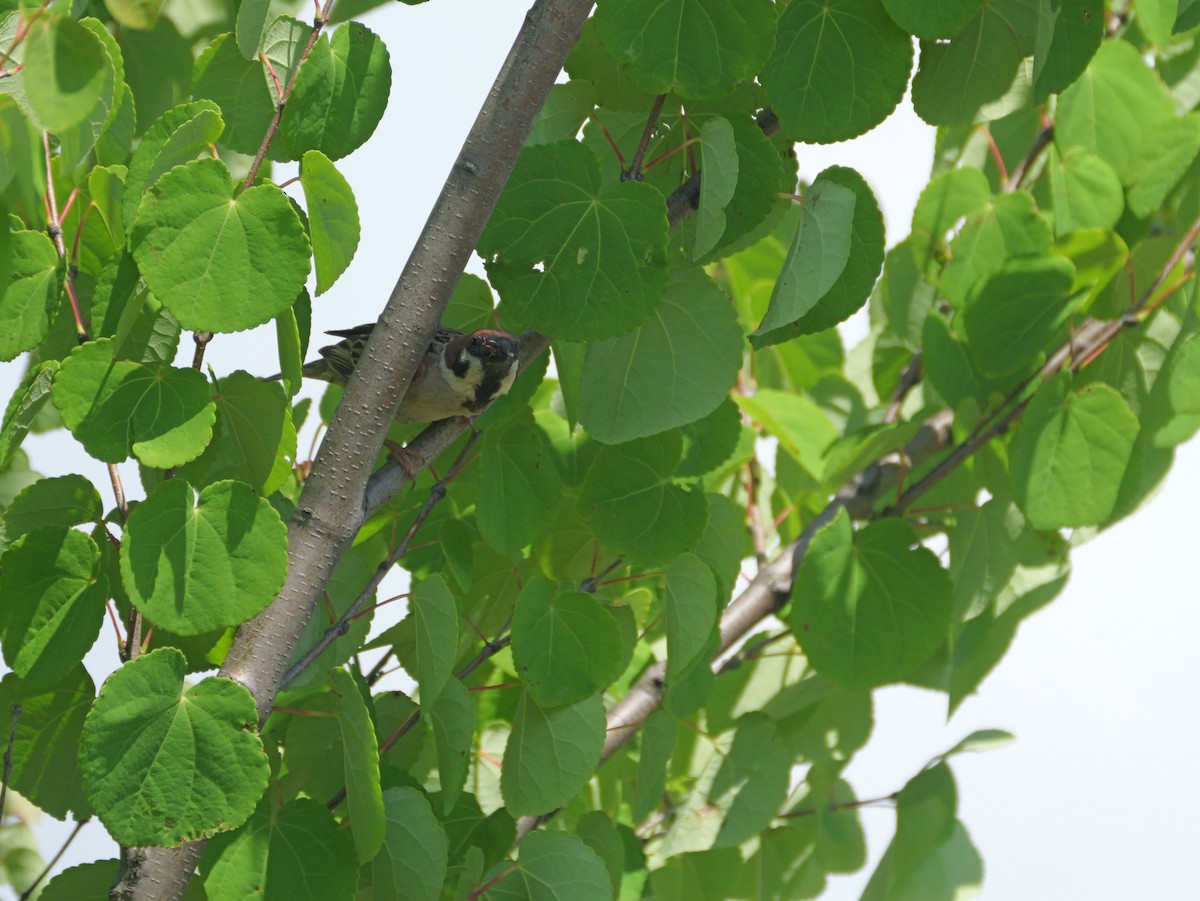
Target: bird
(460, 374)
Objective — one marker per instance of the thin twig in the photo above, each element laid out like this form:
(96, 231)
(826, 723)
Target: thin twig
(133, 633)
(342, 625)
(318, 23)
(201, 339)
(758, 538)
(17, 710)
(54, 229)
(54, 860)
(1040, 143)
(909, 379)
(22, 31)
(634, 172)
(752, 650)
(839, 805)
(592, 582)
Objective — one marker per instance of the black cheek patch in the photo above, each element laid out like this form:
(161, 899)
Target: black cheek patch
(461, 365)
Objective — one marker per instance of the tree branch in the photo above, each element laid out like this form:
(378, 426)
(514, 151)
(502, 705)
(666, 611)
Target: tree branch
(332, 506)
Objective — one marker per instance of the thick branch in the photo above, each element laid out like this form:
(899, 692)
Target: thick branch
(331, 507)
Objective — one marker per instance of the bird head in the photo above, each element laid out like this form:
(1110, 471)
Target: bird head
(492, 346)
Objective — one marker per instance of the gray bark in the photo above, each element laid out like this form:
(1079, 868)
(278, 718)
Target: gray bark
(332, 506)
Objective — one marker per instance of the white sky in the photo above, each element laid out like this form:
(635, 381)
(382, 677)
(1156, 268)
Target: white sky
(1098, 798)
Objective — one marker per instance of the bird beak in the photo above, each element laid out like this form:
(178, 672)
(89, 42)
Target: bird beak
(500, 348)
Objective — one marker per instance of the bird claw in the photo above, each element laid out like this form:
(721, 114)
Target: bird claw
(407, 460)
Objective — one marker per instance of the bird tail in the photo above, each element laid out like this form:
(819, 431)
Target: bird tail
(314, 369)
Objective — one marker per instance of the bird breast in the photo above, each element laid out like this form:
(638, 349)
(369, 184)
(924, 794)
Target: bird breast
(443, 393)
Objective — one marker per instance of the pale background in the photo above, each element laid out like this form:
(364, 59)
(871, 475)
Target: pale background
(1098, 798)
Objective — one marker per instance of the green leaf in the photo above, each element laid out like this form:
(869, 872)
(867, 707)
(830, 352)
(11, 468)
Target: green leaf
(68, 74)
(135, 13)
(471, 305)
(673, 369)
(697, 49)
(931, 855)
(163, 415)
(1071, 453)
(551, 755)
(24, 407)
(519, 487)
(360, 760)
(177, 137)
(219, 262)
(869, 611)
(852, 288)
(553, 866)
(196, 569)
(253, 441)
(452, 717)
(412, 864)
(1160, 161)
(905, 295)
(164, 762)
(601, 835)
(30, 297)
(1010, 226)
(719, 163)
(817, 256)
(1017, 313)
(251, 23)
(945, 200)
(53, 589)
(635, 508)
(235, 83)
(106, 184)
(340, 94)
(572, 258)
(658, 740)
(332, 217)
(932, 20)
(710, 441)
(1078, 33)
(62, 501)
(803, 429)
(282, 45)
(566, 108)
(436, 618)
(124, 310)
(724, 543)
(752, 782)
(1111, 107)
(84, 882)
(980, 74)
(1177, 395)
(1086, 191)
(839, 69)
(983, 556)
(158, 70)
(45, 749)
(566, 646)
(295, 851)
(691, 611)
(762, 173)
(77, 141)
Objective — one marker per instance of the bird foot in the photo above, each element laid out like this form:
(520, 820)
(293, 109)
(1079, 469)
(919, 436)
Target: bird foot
(407, 460)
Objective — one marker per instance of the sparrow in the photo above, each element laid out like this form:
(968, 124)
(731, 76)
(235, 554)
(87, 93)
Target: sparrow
(460, 374)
